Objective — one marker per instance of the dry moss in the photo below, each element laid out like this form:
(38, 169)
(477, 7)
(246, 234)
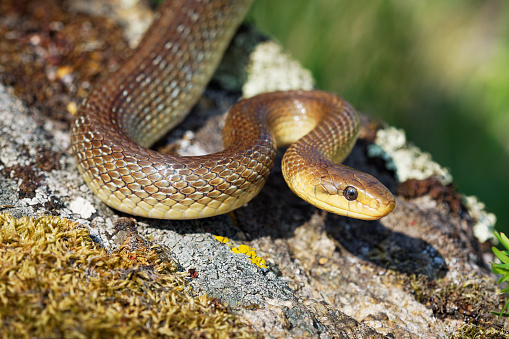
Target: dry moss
(469, 299)
(55, 282)
(476, 332)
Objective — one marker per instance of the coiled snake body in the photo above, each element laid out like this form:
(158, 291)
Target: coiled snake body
(155, 89)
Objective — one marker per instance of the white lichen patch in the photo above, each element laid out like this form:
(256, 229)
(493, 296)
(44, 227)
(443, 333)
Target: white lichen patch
(40, 198)
(82, 207)
(272, 69)
(485, 226)
(406, 160)
(409, 162)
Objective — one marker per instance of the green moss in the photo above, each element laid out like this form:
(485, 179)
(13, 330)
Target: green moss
(55, 282)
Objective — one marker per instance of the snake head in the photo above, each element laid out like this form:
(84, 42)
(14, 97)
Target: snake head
(342, 190)
(361, 197)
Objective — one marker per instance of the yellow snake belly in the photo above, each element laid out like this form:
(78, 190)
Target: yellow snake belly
(153, 91)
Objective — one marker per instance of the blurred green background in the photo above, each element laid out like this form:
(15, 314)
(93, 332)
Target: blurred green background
(438, 69)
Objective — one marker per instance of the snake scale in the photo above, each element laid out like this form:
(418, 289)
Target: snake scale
(156, 87)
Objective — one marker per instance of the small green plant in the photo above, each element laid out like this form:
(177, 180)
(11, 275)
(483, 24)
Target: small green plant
(502, 268)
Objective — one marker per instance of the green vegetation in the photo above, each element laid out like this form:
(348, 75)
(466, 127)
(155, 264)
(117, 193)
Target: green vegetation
(502, 268)
(438, 69)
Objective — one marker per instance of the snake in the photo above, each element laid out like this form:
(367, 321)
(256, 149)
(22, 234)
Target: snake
(155, 88)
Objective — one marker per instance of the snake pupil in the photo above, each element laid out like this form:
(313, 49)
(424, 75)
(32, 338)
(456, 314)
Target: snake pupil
(350, 193)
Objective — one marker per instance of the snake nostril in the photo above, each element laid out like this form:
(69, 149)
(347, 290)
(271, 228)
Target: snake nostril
(350, 193)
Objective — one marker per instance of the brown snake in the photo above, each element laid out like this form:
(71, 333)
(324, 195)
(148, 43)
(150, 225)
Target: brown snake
(156, 88)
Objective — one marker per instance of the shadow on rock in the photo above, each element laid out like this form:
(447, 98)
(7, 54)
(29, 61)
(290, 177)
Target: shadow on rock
(372, 241)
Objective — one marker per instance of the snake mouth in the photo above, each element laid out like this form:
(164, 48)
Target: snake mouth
(379, 207)
(375, 214)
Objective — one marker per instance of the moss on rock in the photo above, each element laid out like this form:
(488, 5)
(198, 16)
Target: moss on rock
(56, 282)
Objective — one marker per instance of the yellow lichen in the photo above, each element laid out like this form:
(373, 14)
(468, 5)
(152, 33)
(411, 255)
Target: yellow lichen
(55, 282)
(221, 239)
(244, 249)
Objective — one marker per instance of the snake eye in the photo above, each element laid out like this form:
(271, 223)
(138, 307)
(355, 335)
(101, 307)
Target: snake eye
(350, 193)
